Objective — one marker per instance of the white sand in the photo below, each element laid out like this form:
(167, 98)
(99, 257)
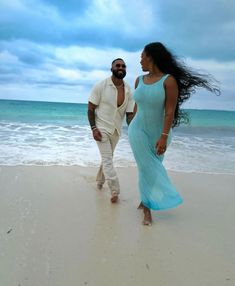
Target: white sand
(56, 229)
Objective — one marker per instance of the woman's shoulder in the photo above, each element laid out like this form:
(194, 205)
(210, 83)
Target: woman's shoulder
(168, 77)
(169, 80)
(138, 80)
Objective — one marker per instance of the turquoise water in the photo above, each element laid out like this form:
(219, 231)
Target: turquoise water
(45, 133)
(71, 113)
(212, 118)
(43, 112)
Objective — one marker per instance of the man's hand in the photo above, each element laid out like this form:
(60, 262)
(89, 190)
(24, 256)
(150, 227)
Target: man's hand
(129, 117)
(97, 134)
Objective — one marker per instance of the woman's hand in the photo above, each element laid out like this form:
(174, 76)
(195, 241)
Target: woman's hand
(161, 145)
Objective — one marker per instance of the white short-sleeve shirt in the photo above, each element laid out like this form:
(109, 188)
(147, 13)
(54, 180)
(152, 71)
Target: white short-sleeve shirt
(108, 115)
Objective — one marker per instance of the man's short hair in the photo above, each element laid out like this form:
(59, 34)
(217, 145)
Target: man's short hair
(117, 59)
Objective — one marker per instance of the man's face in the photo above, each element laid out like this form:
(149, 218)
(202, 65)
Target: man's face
(119, 69)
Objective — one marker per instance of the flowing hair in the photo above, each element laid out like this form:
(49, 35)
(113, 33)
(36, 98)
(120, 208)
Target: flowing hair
(187, 80)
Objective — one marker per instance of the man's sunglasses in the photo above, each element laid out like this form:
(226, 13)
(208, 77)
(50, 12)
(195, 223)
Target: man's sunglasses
(119, 65)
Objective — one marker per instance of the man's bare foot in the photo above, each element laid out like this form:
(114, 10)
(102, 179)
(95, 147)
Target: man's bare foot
(141, 206)
(114, 198)
(147, 216)
(99, 185)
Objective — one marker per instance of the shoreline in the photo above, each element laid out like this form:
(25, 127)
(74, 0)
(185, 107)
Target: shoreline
(57, 229)
(91, 167)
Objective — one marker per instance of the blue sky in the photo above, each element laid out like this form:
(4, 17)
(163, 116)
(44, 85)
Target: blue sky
(55, 50)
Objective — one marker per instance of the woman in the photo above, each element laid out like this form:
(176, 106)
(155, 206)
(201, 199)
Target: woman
(158, 97)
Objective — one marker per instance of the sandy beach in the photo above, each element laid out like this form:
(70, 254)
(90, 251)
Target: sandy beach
(56, 229)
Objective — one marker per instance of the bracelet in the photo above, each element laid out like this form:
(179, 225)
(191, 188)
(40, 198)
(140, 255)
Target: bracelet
(93, 127)
(166, 134)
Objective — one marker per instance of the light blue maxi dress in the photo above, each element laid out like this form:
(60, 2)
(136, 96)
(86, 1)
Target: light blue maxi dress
(156, 190)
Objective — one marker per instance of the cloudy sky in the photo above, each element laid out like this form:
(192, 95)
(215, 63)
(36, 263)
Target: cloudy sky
(55, 50)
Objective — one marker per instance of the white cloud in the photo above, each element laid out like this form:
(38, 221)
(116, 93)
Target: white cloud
(7, 58)
(49, 46)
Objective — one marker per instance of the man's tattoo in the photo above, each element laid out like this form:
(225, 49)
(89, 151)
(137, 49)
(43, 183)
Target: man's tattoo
(91, 117)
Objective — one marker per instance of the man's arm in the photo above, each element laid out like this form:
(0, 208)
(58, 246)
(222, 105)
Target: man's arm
(131, 109)
(91, 117)
(91, 114)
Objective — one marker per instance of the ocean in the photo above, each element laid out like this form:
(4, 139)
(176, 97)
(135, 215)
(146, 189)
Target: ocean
(49, 133)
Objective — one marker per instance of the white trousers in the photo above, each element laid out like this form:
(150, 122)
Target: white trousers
(106, 171)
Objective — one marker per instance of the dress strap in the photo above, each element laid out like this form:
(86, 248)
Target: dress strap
(165, 76)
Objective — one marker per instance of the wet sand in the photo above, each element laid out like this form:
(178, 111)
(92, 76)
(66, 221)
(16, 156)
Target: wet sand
(56, 229)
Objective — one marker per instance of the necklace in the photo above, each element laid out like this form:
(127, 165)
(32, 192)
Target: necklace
(118, 86)
(155, 75)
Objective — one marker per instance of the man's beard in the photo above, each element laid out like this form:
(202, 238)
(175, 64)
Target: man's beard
(118, 74)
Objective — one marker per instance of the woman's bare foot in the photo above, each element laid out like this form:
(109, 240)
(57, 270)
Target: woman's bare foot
(141, 206)
(147, 216)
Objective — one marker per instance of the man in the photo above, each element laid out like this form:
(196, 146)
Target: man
(109, 102)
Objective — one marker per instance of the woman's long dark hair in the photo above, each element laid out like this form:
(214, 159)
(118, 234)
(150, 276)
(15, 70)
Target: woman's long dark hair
(186, 79)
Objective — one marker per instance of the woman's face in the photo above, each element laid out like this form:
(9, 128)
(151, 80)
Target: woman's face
(145, 61)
